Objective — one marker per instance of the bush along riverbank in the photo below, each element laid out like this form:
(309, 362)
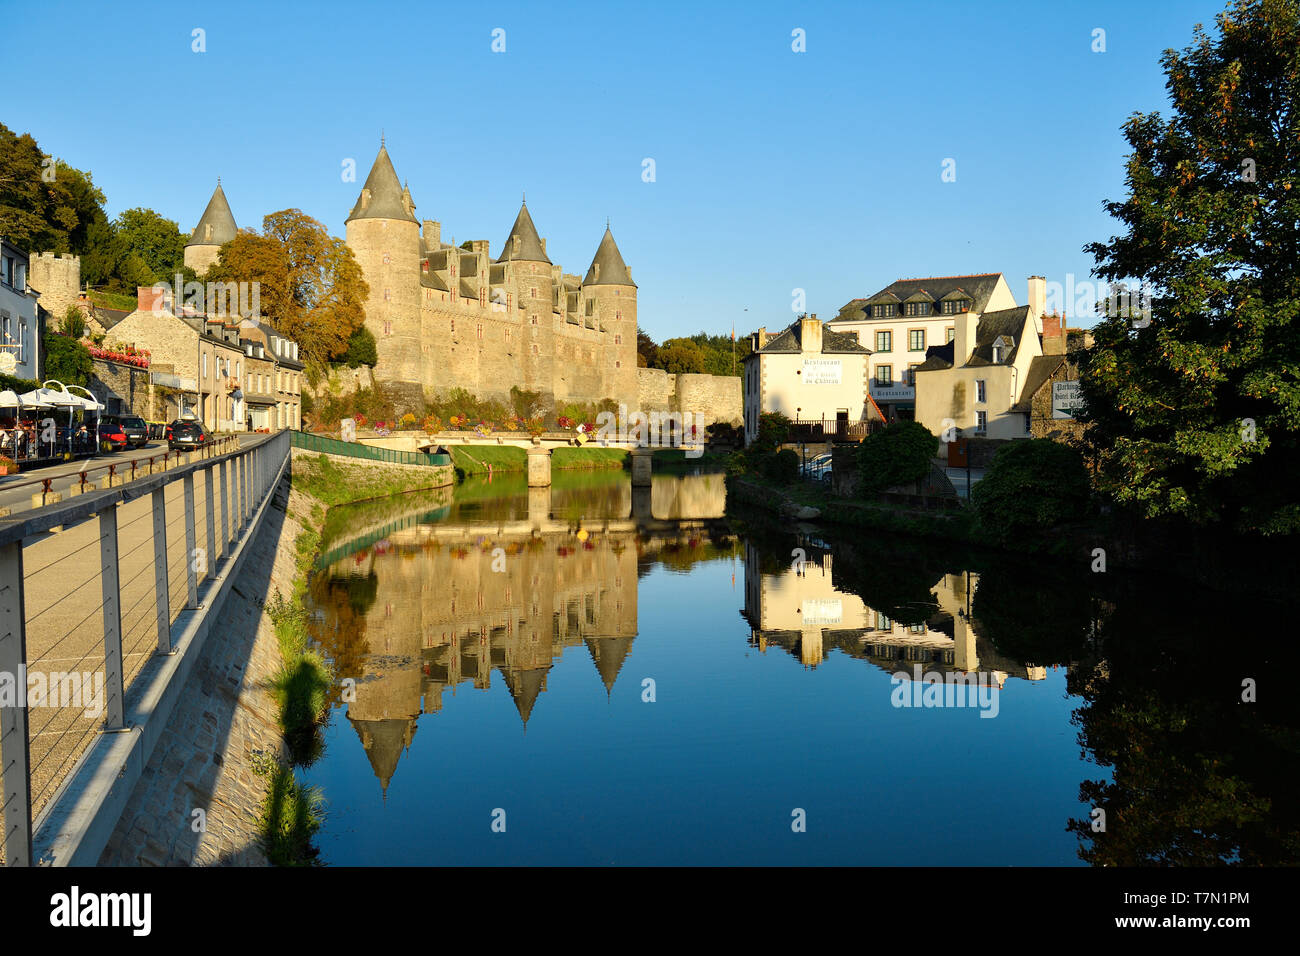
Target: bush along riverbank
(1035, 499)
(292, 813)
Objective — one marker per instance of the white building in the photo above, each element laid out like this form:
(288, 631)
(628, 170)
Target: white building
(19, 333)
(808, 372)
(903, 320)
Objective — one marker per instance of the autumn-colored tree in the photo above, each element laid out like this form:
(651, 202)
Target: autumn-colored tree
(1195, 408)
(310, 284)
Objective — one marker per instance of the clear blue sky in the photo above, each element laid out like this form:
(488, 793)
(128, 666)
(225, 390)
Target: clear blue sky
(775, 170)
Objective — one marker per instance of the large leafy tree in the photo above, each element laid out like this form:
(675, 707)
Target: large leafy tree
(310, 284)
(155, 242)
(1195, 408)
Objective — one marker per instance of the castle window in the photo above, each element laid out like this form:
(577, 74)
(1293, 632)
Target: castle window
(618, 292)
(618, 365)
(388, 326)
(618, 340)
(509, 337)
(480, 331)
(387, 295)
(510, 300)
(424, 266)
(532, 319)
(385, 258)
(453, 325)
(534, 349)
(618, 314)
(533, 292)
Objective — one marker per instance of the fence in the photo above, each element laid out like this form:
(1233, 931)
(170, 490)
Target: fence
(830, 429)
(347, 449)
(103, 604)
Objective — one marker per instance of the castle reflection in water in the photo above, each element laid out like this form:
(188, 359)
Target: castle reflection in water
(425, 595)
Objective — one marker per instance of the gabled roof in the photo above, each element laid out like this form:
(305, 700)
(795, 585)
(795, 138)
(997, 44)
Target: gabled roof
(1041, 368)
(530, 244)
(384, 193)
(217, 224)
(1006, 324)
(612, 270)
(791, 340)
(978, 288)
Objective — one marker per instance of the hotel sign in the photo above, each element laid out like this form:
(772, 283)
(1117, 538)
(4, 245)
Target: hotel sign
(1067, 399)
(821, 371)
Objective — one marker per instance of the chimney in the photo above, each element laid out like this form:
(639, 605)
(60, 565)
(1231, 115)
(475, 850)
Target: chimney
(153, 298)
(1054, 335)
(965, 325)
(810, 334)
(1037, 300)
(543, 245)
(758, 341)
(432, 234)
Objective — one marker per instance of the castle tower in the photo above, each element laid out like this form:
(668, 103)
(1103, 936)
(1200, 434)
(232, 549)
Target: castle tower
(529, 281)
(216, 227)
(56, 280)
(384, 235)
(610, 289)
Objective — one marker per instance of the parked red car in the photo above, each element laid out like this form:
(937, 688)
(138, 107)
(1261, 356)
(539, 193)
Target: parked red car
(111, 436)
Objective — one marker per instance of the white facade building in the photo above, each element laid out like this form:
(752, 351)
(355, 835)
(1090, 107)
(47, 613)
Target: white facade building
(19, 334)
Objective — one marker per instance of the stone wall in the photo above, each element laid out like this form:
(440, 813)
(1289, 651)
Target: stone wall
(58, 280)
(717, 397)
(125, 389)
(1041, 422)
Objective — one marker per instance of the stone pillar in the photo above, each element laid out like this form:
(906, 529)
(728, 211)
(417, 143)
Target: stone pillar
(642, 497)
(539, 502)
(641, 460)
(539, 467)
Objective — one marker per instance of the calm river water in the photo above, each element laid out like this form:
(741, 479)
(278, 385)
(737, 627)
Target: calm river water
(591, 675)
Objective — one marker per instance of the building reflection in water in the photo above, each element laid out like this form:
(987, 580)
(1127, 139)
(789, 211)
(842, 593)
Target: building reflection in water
(800, 605)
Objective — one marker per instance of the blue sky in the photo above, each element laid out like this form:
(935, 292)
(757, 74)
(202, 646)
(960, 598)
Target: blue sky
(774, 170)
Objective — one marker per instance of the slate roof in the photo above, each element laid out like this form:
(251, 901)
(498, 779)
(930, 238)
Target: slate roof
(937, 357)
(612, 271)
(530, 244)
(978, 288)
(219, 217)
(432, 280)
(1005, 324)
(386, 193)
(110, 317)
(832, 342)
(1041, 368)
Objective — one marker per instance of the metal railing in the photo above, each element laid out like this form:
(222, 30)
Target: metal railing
(96, 594)
(347, 449)
(830, 429)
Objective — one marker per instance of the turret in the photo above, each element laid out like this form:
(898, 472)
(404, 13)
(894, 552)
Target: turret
(611, 294)
(384, 235)
(528, 279)
(216, 227)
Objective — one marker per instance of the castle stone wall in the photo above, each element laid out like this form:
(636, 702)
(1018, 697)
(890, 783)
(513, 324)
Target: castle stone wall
(58, 280)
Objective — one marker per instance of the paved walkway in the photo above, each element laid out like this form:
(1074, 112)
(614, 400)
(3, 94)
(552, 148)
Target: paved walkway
(204, 759)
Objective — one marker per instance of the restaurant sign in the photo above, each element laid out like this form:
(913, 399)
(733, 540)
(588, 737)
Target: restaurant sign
(821, 371)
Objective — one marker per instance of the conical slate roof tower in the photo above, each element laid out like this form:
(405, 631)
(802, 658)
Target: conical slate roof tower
(216, 227)
(383, 196)
(608, 267)
(523, 243)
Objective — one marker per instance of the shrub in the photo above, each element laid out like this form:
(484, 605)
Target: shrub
(773, 429)
(782, 467)
(1033, 485)
(900, 453)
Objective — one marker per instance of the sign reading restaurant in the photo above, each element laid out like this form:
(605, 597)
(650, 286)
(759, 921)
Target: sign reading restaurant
(1066, 399)
(821, 371)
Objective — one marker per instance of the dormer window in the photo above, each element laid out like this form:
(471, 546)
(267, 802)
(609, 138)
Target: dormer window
(997, 354)
(884, 311)
(918, 308)
(953, 306)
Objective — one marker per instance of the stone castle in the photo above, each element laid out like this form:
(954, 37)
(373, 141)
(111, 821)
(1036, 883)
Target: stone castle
(450, 316)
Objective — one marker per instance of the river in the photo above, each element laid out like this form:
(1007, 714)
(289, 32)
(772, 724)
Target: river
(592, 674)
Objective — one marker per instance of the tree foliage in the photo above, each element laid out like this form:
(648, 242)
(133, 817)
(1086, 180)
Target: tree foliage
(1196, 413)
(1033, 485)
(895, 455)
(699, 353)
(66, 360)
(310, 284)
(362, 349)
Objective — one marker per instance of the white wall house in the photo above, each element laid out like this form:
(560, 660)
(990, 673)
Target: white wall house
(807, 372)
(19, 333)
(902, 321)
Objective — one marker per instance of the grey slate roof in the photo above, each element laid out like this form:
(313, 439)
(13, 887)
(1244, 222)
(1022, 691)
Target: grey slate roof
(1041, 368)
(612, 271)
(110, 317)
(219, 218)
(937, 357)
(530, 244)
(1009, 324)
(832, 342)
(977, 287)
(386, 193)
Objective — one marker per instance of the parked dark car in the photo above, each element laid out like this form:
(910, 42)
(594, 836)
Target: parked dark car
(186, 433)
(111, 436)
(133, 426)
